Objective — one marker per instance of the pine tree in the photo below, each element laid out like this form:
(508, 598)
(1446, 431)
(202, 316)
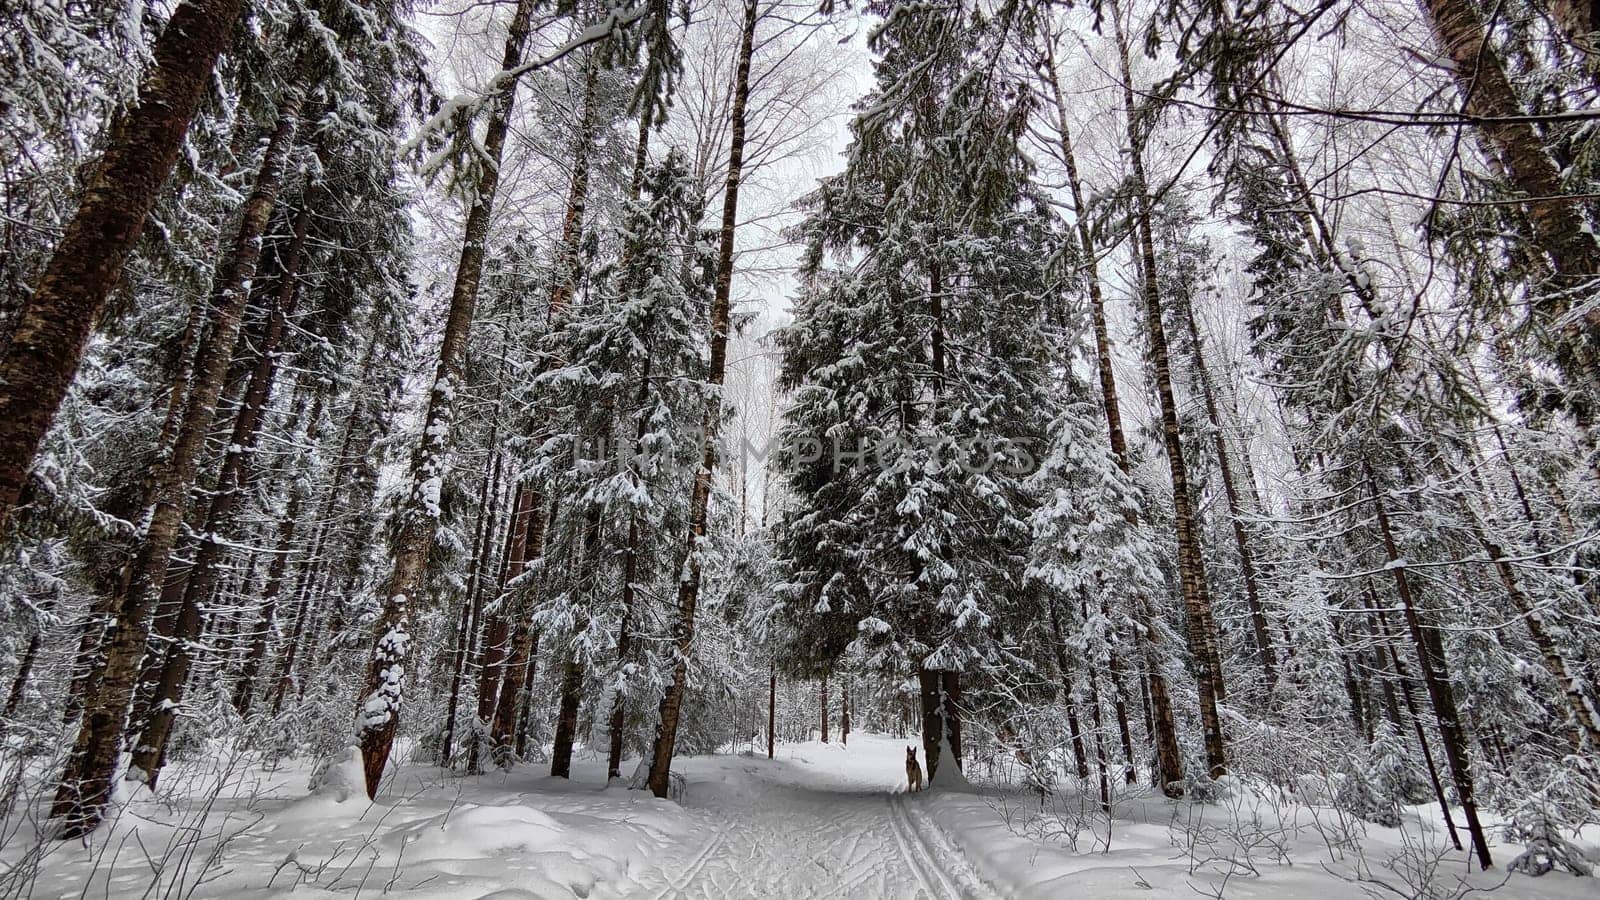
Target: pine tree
(925, 363)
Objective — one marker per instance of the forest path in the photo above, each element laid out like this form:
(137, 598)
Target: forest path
(827, 821)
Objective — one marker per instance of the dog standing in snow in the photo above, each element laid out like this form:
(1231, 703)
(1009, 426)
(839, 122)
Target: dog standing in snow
(913, 771)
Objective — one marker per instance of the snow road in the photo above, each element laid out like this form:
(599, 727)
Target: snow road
(820, 820)
(788, 828)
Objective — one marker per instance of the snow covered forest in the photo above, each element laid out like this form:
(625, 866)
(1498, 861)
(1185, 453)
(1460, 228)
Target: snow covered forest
(584, 448)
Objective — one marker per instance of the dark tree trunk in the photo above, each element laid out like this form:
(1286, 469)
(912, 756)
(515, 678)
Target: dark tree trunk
(496, 645)
(824, 707)
(238, 466)
(1099, 744)
(1236, 512)
(772, 709)
(950, 687)
(566, 263)
(1554, 216)
(1163, 732)
(86, 783)
(572, 672)
(630, 572)
(700, 497)
(1064, 667)
(1191, 567)
(472, 598)
(932, 702)
(51, 331)
(1406, 691)
(844, 714)
(378, 707)
(1434, 677)
(519, 663)
(245, 689)
(19, 682)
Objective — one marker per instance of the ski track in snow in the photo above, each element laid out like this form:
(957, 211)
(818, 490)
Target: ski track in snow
(824, 837)
(820, 821)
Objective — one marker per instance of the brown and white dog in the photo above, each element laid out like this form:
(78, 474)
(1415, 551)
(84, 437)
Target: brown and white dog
(913, 771)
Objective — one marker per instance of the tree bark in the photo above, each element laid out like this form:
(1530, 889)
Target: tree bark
(700, 497)
(1241, 537)
(495, 646)
(87, 782)
(1191, 567)
(1163, 733)
(1554, 217)
(572, 671)
(824, 707)
(1068, 702)
(142, 147)
(565, 275)
(238, 467)
(19, 682)
(244, 690)
(630, 573)
(929, 694)
(517, 670)
(471, 602)
(844, 714)
(950, 686)
(379, 706)
(1434, 679)
(1416, 717)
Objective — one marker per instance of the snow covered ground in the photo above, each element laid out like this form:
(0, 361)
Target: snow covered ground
(821, 820)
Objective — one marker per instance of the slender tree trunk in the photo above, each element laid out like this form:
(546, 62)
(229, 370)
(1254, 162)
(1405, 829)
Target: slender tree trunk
(525, 706)
(572, 672)
(566, 264)
(1091, 266)
(1416, 717)
(379, 706)
(238, 466)
(142, 147)
(844, 713)
(304, 590)
(824, 707)
(524, 637)
(1068, 702)
(19, 682)
(1435, 679)
(772, 709)
(1236, 512)
(87, 782)
(700, 498)
(1582, 734)
(1191, 567)
(1352, 686)
(630, 573)
(495, 647)
(470, 599)
(1163, 732)
(244, 691)
(1100, 745)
